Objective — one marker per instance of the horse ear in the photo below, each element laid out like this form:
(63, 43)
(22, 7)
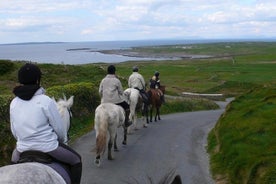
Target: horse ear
(70, 101)
(53, 98)
(64, 97)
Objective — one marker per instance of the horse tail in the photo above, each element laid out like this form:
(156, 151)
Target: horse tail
(101, 126)
(101, 143)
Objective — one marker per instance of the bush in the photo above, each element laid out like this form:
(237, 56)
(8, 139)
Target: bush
(6, 66)
(86, 97)
(7, 141)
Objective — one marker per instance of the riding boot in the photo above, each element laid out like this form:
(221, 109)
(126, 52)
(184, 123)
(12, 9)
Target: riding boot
(76, 171)
(127, 121)
(162, 98)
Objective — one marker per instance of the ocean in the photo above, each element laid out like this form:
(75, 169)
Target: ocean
(81, 52)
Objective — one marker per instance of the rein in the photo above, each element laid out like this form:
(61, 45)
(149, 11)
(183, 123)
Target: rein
(70, 118)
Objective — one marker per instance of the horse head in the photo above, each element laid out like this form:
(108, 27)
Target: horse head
(64, 108)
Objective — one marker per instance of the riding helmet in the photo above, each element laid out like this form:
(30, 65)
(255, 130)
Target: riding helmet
(29, 74)
(111, 69)
(156, 73)
(135, 69)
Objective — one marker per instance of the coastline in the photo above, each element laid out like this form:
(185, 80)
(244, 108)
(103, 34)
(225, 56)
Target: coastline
(158, 56)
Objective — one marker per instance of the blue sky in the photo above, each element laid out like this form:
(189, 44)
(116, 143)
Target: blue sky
(108, 20)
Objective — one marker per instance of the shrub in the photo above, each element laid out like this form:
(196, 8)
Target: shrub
(6, 66)
(7, 141)
(86, 97)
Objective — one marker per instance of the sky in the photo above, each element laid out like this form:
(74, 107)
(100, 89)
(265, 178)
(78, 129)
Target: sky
(112, 20)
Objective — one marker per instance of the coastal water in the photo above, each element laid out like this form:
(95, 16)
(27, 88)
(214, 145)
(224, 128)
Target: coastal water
(80, 52)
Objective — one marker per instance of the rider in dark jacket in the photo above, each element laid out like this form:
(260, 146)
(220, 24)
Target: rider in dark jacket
(155, 84)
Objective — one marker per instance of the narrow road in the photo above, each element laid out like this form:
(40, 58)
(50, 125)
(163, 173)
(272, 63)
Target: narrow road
(176, 142)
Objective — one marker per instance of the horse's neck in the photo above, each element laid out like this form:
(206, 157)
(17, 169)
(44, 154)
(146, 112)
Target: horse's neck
(65, 115)
(162, 88)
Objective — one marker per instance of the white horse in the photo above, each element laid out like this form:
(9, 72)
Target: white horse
(133, 95)
(34, 172)
(108, 117)
(64, 107)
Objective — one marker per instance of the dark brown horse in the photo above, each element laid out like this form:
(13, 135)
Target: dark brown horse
(156, 101)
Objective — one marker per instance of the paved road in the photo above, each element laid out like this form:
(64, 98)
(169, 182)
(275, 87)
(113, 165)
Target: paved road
(176, 142)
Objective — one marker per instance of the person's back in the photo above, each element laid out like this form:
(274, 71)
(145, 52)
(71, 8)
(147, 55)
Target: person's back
(111, 91)
(30, 125)
(136, 80)
(155, 84)
(37, 125)
(155, 81)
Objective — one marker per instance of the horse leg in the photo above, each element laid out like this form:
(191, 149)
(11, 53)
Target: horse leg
(151, 109)
(109, 149)
(145, 115)
(146, 112)
(158, 113)
(125, 136)
(98, 160)
(115, 143)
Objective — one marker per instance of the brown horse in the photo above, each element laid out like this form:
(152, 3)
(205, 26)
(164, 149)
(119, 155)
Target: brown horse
(156, 101)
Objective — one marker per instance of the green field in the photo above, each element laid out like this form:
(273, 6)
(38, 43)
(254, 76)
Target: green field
(242, 144)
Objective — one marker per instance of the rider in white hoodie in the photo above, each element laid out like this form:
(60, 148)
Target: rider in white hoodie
(36, 123)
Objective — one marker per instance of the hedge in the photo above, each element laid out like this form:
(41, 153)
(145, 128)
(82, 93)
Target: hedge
(86, 97)
(6, 66)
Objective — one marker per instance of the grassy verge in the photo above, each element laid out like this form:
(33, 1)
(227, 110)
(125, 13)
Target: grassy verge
(242, 144)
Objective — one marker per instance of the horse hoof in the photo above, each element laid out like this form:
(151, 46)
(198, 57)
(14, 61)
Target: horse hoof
(110, 158)
(145, 126)
(97, 162)
(116, 150)
(124, 143)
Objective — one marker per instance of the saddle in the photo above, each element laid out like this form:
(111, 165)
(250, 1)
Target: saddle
(44, 158)
(35, 156)
(144, 95)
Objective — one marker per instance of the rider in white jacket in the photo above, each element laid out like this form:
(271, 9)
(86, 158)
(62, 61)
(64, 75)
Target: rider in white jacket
(111, 91)
(36, 123)
(136, 80)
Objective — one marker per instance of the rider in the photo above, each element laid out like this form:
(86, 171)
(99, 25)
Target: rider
(155, 84)
(136, 80)
(36, 123)
(111, 91)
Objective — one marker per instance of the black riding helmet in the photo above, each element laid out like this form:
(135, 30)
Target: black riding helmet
(135, 69)
(29, 74)
(156, 73)
(111, 69)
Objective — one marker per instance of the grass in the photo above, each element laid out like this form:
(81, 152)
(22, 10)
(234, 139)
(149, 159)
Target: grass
(242, 144)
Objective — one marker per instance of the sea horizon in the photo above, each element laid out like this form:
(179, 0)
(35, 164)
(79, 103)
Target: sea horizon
(88, 51)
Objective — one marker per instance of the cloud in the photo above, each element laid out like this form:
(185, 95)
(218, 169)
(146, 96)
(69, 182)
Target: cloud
(86, 20)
